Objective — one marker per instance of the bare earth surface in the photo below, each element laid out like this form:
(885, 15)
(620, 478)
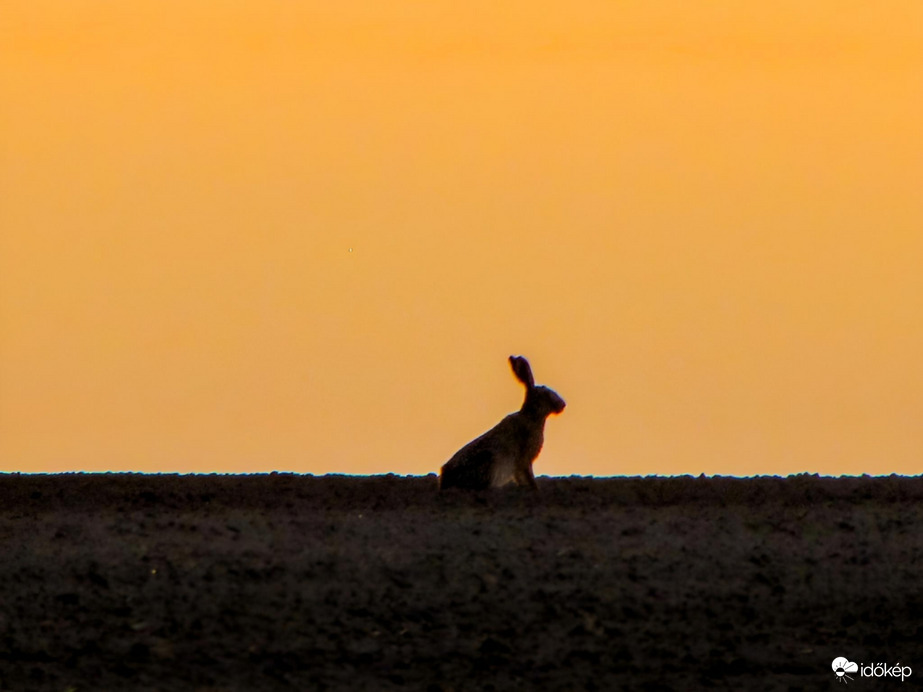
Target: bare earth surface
(278, 582)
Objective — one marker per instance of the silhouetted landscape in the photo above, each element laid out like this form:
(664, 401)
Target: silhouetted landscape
(282, 581)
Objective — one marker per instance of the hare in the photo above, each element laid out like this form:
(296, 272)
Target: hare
(505, 452)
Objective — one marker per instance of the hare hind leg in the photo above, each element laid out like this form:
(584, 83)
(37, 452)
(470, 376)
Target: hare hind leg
(469, 472)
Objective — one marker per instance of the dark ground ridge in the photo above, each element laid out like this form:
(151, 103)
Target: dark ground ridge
(72, 491)
(226, 583)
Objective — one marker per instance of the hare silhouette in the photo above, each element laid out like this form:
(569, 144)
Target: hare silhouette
(506, 452)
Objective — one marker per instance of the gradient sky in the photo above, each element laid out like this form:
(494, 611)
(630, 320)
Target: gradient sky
(255, 235)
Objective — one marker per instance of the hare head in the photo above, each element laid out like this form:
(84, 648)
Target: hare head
(540, 401)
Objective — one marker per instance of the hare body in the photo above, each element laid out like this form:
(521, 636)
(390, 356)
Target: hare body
(505, 452)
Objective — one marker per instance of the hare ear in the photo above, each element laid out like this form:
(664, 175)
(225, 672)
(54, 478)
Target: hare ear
(522, 370)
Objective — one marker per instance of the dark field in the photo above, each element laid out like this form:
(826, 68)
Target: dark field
(130, 582)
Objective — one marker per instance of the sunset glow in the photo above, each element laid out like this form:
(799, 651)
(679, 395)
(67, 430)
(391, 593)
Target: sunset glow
(244, 236)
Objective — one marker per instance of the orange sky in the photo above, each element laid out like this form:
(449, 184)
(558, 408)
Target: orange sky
(244, 235)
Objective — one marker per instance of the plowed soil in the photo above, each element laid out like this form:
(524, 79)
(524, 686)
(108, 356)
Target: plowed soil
(288, 582)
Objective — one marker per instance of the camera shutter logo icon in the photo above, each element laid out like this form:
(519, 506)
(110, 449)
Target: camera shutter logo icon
(841, 667)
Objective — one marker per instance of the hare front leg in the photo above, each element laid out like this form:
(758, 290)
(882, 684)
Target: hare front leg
(526, 477)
